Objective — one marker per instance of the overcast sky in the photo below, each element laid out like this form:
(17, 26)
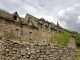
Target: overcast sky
(66, 12)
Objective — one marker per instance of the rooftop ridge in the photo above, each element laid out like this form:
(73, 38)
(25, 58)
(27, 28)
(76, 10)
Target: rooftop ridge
(32, 16)
(5, 14)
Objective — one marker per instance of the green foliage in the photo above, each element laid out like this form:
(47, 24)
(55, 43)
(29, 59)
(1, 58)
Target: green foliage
(77, 57)
(74, 32)
(61, 39)
(53, 39)
(77, 49)
(78, 41)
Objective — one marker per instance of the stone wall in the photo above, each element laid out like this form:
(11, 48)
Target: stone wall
(26, 34)
(13, 30)
(10, 50)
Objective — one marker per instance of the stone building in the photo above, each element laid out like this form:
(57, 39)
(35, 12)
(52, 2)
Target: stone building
(29, 29)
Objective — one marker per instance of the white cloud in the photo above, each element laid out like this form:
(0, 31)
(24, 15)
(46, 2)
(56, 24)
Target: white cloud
(48, 18)
(61, 13)
(13, 1)
(70, 17)
(78, 21)
(30, 8)
(52, 10)
(22, 16)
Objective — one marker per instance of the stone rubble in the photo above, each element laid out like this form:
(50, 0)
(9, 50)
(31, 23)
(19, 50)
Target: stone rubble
(14, 51)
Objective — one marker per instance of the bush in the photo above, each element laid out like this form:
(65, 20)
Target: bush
(77, 48)
(61, 39)
(78, 41)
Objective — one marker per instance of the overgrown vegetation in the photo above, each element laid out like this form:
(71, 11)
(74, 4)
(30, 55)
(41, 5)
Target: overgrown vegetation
(74, 32)
(78, 41)
(77, 58)
(77, 48)
(60, 40)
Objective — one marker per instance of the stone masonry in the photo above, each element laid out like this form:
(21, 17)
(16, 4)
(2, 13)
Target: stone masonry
(10, 50)
(30, 29)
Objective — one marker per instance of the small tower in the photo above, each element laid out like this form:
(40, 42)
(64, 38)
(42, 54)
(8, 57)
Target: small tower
(58, 24)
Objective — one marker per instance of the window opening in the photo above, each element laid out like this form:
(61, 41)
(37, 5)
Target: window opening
(30, 34)
(15, 17)
(17, 32)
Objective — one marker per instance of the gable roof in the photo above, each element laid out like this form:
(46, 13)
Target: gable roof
(8, 16)
(5, 14)
(32, 18)
(15, 14)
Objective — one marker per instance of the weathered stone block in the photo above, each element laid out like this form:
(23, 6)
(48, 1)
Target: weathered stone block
(23, 52)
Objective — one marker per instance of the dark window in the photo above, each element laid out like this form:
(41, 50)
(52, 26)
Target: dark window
(15, 17)
(28, 21)
(59, 31)
(17, 31)
(30, 34)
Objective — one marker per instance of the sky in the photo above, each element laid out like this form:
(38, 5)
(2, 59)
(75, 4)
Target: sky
(65, 12)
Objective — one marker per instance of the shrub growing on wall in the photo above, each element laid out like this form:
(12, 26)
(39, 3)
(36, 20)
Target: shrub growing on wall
(78, 41)
(60, 40)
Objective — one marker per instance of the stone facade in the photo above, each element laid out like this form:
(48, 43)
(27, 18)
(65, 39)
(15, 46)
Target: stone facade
(10, 50)
(28, 30)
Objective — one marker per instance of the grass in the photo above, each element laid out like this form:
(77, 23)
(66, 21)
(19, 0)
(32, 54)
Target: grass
(77, 49)
(77, 58)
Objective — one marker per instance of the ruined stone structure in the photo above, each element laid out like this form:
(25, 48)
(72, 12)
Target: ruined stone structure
(10, 50)
(29, 29)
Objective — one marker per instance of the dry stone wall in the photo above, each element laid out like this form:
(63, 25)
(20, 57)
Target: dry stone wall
(10, 50)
